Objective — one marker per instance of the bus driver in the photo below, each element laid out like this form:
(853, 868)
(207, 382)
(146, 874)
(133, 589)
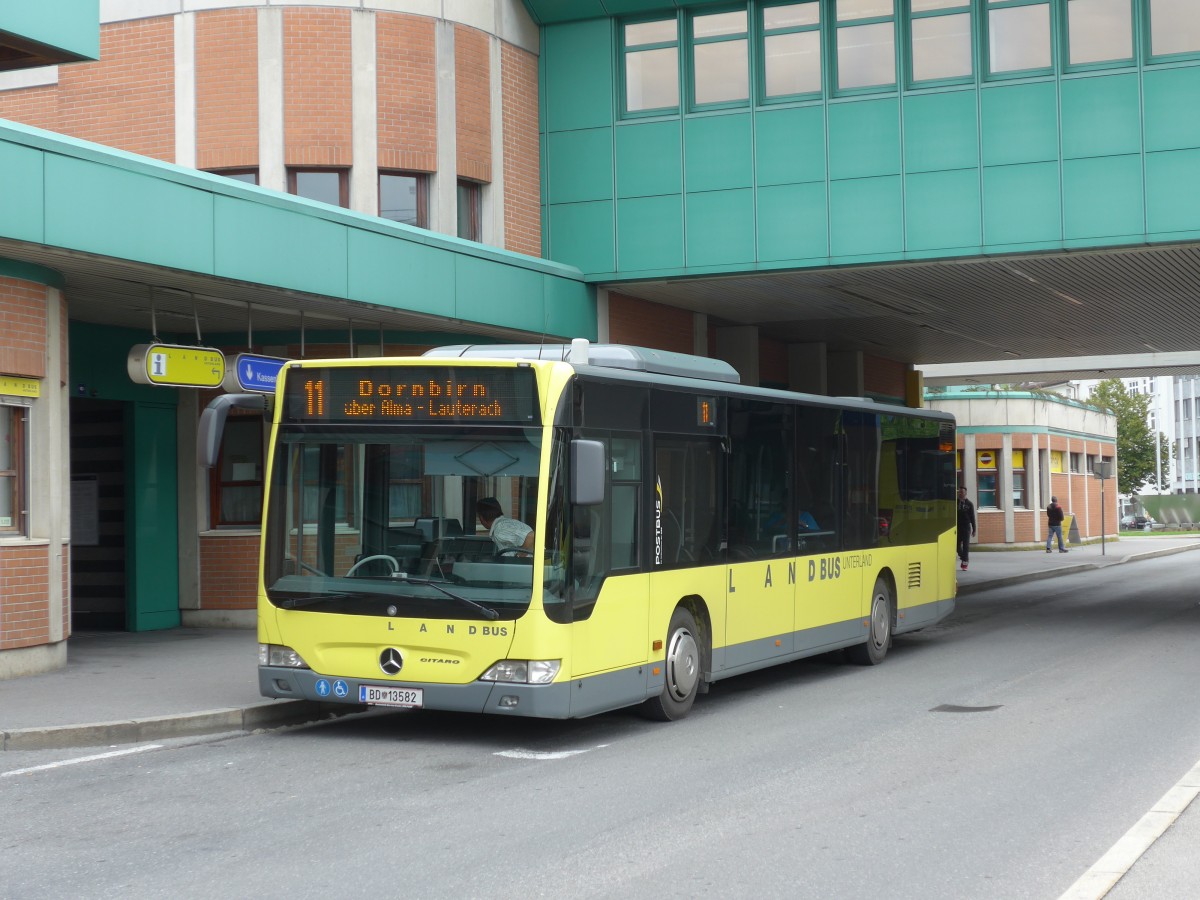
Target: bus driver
(506, 533)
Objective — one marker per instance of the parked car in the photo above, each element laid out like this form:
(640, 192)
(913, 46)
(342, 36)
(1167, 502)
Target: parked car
(1137, 523)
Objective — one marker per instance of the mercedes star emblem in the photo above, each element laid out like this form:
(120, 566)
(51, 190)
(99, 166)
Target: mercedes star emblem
(391, 661)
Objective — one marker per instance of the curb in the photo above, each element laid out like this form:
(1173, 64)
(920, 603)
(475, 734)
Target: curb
(1068, 570)
(155, 728)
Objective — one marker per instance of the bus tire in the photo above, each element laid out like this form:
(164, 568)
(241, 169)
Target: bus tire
(879, 633)
(681, 670)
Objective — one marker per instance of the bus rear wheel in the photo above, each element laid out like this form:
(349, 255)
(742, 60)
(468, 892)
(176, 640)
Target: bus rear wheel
(682, 670)
(879, 636)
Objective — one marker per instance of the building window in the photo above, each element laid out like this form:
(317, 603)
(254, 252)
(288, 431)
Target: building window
(246, 176)
(237, 478)
(13, 461)
(720, 58)
(866, 44)
(1174, 27)
(1091, 463)
(1018, 480)
(1099, 31)
(323, 185)
(651, 52)
(791, 49)
(941, 40)
(1076, 462)
(987, 478)
(404, 197)
(1187, 408)
(1019, 36)
(470, 215)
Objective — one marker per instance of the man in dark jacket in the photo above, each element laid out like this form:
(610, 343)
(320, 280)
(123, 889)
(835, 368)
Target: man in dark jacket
(1054, 519)
(966, 526)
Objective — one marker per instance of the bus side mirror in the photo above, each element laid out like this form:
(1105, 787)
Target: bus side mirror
(212, 423)
(587, 472)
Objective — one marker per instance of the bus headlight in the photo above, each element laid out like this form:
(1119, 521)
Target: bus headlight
(523, 671)
(276, 655)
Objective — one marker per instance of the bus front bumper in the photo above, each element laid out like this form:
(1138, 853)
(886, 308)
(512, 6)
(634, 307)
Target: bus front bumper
(547, 701)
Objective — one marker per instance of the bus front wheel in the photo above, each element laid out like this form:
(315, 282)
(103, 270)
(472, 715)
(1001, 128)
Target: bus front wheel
(682, 670)
(879, 635)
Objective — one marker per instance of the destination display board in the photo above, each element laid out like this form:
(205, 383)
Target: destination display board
(430, 395)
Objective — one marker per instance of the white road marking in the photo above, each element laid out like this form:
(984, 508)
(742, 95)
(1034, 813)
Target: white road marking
(1112, 866)
(536, 754)
(81, 759)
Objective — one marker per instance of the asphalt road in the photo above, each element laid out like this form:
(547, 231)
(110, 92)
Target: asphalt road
(999, 754)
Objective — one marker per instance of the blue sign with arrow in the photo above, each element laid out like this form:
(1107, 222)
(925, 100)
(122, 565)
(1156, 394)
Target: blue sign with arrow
(253, 373)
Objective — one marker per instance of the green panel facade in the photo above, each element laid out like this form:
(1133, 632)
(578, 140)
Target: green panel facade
(718, 153)
(583, 231)
(649, 159)
(793, 221)
(864, 139)
(1172, 186)
(943, 210)
(1101, 116)
(68, 29)
(586, 156)
(1115, 211)
(1022, 205)
(1040, 160)
(866, 217)
(650, 233)
(400, 275)
(112, 211)
(579, 76)
(22, 212)
(720, 228)
(789, 146)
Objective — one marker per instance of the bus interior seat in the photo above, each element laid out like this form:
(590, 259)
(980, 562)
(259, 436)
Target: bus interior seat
(433, 528)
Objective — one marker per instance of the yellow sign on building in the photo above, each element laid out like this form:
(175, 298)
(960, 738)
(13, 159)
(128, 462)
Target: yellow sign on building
(176, 366)
(20, 387)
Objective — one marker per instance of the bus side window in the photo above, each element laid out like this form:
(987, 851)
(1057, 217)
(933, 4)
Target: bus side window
(686, 479)
(817, 482)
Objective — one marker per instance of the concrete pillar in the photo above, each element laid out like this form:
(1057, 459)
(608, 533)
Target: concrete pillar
(808, 368)
(364, 174)
(185, 90)
(443, 184)
(272, 172)
(846, 373)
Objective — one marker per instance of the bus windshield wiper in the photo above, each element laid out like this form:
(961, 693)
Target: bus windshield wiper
(312, 600)
(486, 612)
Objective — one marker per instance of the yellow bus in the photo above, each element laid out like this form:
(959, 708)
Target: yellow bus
(558, 531)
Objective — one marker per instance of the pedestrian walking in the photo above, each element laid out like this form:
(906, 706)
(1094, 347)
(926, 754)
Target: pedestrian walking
(1054, 519)
(966, 526)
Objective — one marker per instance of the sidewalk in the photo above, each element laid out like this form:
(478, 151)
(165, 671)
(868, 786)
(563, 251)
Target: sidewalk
(120, 687)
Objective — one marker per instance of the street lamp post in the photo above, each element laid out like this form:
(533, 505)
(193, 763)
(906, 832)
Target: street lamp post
(1103, 471)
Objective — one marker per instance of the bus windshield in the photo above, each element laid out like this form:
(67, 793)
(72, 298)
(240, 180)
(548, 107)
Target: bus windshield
(395, 523)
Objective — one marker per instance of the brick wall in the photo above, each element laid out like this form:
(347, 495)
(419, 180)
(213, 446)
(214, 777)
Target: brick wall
(406, 92)
(883, 377)
(229, 571)
(522, 175)
(227, 89)
(317, 87)
(772, 363)
(645, 324)
(126, 99)
(24, 596)
(22, 328)
(473, 104)
(37, 106)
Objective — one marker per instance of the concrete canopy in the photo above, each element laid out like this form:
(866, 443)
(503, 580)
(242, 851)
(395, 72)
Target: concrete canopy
(141, 243)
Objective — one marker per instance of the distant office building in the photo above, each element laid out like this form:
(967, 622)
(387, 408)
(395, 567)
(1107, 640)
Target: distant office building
(1017, 449)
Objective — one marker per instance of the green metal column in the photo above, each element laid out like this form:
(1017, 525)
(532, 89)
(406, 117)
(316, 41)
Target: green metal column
(151, 517)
